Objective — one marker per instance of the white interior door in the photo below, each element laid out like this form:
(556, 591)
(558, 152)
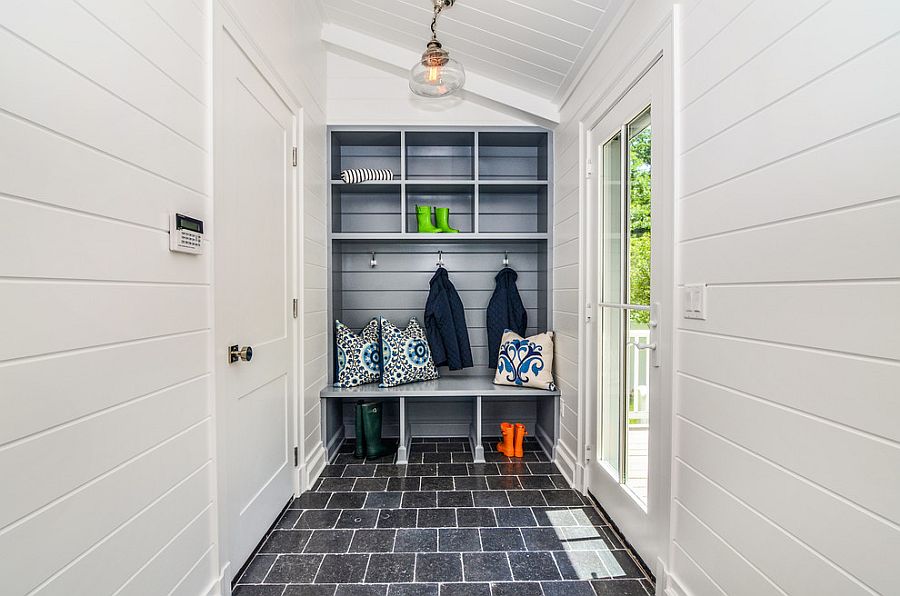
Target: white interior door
(629, 288)
(254, 279)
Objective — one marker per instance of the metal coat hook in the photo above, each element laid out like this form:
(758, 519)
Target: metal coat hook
(373, 262)
(506, 258)
(440, 262)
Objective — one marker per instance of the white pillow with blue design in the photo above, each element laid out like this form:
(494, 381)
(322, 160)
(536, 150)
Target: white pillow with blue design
(526, 361)
(405, 354)
(357, 357)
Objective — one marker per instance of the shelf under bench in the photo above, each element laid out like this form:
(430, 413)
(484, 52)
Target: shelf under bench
(476, 388)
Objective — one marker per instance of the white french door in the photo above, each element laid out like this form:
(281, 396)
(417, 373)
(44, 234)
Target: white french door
(629, 281)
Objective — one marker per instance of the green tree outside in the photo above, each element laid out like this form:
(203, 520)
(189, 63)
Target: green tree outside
(639, 240)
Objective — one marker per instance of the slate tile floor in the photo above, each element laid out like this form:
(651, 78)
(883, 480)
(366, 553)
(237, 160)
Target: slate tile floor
(442, 526)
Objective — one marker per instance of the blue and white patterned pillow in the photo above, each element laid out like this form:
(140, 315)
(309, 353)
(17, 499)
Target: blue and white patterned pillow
(357, 357)
(405, 355)
(526, 362)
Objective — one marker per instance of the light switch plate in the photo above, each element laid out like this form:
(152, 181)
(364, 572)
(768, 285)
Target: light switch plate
(695, 301)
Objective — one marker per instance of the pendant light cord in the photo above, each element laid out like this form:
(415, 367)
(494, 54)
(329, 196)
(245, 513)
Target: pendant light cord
(437, 11)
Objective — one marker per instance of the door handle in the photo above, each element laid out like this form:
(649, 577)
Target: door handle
(236, 353)
(641, 346)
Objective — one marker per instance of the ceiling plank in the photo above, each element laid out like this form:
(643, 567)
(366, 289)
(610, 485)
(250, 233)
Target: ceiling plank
(476, 83)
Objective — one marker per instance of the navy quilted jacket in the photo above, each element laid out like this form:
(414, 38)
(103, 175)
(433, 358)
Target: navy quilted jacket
(445, 324)
(504, 311)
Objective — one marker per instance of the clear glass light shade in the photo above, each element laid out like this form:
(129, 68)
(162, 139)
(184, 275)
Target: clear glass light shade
(436, 74)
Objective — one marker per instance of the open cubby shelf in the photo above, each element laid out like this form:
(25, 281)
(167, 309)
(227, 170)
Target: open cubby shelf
(498, 185)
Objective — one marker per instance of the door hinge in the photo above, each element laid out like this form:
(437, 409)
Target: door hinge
(294, 157)
(589, 168)
(296, 456)
(296, 306)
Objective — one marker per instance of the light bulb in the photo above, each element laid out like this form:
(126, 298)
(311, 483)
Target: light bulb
(434, 74)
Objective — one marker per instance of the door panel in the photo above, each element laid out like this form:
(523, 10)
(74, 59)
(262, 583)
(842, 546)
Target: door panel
(254, 210)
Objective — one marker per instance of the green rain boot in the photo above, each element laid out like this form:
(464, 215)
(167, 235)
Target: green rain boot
(442, 216)
(375, 447)
(359, 452)
(423, 218)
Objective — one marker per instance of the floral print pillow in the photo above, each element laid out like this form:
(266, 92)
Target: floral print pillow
(405, 354)
(526, 361)
(357, 357)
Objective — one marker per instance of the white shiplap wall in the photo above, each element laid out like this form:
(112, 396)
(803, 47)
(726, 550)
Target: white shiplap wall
(105, 430)
(787, 448)
(361, 93)
(287, 34)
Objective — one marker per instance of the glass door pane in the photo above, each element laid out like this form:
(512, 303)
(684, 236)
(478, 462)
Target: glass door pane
(638, 362)
(625, 359)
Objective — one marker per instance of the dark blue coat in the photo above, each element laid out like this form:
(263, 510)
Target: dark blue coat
(504, 311)
(445, 324)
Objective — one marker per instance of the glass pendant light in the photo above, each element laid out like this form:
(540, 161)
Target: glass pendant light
(436, 74)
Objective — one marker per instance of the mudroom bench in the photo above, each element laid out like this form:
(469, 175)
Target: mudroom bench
(416, 409)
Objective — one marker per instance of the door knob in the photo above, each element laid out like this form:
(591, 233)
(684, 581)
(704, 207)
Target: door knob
(236, 353)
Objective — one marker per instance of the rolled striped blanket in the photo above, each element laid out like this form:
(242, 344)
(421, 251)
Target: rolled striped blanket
(364, 175)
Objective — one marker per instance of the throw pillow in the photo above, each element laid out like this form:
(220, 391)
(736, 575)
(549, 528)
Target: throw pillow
(526, 361)
(357, 357)
(405, 355)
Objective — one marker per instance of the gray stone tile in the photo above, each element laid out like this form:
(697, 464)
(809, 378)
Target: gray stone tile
(458, 540)
(285, 541)
(257, 569)
(310, 590)
(332, 471)
(437, 518)
(370, 484)
(568, 588)
(329, 541)
(466, 589)
(358, 470)
(503, 482)
(373, 541)
(437, 458)
(318, 519)
(437, 483)
(543, 539)
(462, 457)
(438, 567)
(397, 518)
(258, 591)
(358, 518)
(515, 517)
(542, 468)
(486, 567)
(553, 516)
(476, 517)
(288, 519)
(346, 500)
(413, 590)
(311, 500)
(536, 482)
(416, 541)
(342, 569)
(294, 569)
(470, 482)
(531, 566)
(483, 469)
(455, 498)
(490, 498)
(502, 539)
(337, 484)
(619, 587)
(585, 538)
(391, 470)
(513, 468)
(419, 499)
(584, 565)
(562, 497)
(588, 516)
(526, 498)
(422, 470)
(361, 590)
(516, 589)
(391, 568)
(452, 470)
(385, 500)
(620, 564)
(404, 483)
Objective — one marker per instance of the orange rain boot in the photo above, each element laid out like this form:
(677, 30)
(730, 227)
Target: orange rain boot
(506, 445)
(520, 438)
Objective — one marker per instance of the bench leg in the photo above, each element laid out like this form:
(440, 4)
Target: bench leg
(475, 432)
(405, 439)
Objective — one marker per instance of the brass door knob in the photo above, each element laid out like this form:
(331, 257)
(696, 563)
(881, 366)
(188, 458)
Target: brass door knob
(236, 353)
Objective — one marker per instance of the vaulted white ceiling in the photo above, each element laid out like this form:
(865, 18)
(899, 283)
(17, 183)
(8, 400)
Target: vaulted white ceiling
(537, 46)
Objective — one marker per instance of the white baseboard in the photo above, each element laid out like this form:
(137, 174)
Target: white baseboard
(671, 587)
(315, 463)
(565, 461)
(221, 586)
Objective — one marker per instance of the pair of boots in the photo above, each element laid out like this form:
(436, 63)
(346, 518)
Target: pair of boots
(513, 436)
(441, 216)
(368, 432)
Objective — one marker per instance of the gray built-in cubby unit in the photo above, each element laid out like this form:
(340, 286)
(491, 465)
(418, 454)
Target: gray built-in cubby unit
(497, 183)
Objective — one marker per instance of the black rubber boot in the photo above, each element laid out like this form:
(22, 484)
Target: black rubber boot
(375, 446)
(360, 451)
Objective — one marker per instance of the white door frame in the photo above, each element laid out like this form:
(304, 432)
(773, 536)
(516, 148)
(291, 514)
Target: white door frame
(225, 23)
(651, 544)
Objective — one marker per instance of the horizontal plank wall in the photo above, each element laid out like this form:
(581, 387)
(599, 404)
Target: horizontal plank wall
(787, 445)
(105, 431)
(287, 35)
